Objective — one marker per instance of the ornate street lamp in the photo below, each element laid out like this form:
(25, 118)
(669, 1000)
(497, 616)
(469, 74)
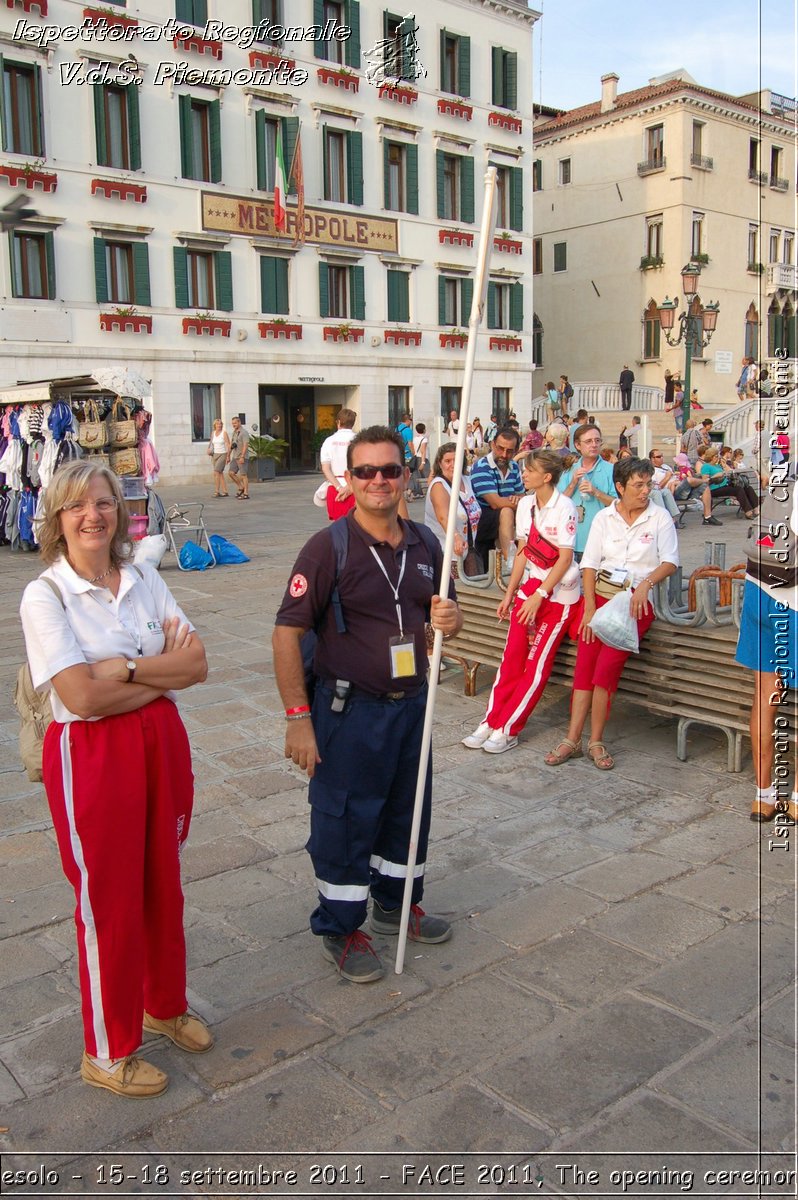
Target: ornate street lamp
(697, 323)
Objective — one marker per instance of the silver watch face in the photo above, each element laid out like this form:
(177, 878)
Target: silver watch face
(131, 666)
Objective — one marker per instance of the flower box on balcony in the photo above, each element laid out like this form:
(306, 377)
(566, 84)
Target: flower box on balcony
(206, 325)
(338, 78)
(455, 108)
(28, 177)
(401, 95)
(455, 237)
(112, 322)
(507, 245)
(280, 329)
(97, 15)
(506, 121)
(453, 341)
(343, 333)
(649, 261)
(119, 188)
(403, 337)
(195, 41)
(28, 5)
(273, 59)
(507, 342)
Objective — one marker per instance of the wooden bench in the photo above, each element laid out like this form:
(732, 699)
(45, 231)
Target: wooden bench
(674, 662)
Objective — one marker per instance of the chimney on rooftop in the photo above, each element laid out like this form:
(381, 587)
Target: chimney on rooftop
(609, 91)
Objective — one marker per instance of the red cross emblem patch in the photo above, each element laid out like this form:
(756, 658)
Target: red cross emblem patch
(298, 586)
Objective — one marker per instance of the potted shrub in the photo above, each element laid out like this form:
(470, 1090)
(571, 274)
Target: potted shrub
(266, 452)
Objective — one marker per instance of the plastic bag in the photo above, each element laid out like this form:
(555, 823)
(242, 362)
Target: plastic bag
(226, 552)
(194, 558)
(320, 495)
(615, 626)
(151, 549)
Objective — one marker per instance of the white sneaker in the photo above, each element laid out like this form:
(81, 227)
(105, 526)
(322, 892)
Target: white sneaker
(478, 738)
(498, 742)
(508, 564)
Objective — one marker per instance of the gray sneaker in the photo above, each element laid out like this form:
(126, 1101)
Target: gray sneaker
(353, 956)
(711, 521)
(420, 926)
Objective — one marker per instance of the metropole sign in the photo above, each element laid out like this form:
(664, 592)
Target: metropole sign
(255, 218)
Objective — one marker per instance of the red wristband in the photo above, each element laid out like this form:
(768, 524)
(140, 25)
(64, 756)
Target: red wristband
(302, 708)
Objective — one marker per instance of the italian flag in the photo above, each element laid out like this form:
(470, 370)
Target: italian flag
(280, 185)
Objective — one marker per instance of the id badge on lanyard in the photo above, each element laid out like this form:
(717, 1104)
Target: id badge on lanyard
(402, 646)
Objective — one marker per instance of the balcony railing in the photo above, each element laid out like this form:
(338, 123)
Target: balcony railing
(652, 164)
(781, 277)
(779, 185)
(757, 176)
(702, 162)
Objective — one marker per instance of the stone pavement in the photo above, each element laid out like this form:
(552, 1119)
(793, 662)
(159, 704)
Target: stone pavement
(619, 978)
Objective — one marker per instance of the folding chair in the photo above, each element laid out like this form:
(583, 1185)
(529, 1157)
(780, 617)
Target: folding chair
(186, 521)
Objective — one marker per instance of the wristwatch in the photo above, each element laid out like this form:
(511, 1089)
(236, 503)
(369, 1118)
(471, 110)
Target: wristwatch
(541, 591)
(130, 663)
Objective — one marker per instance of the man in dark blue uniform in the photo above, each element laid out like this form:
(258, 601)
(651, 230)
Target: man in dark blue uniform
(361, 743)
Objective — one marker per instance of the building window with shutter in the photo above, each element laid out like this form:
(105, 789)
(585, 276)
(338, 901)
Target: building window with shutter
(454, 186)
(451, 398)
(200, 139)
(655, 146)
(203, 279)
(787, 247)
(651, 331)
(333, 49)
(504, 91)
(509, 198)
(121, 272)
(342, 291)
(753, 247)
(395, 177)
(116, 121)
(201, 292)
(269, 15)
(398, 405)
(266, 149)
(501, 405)
(22, 109)
(565, 171)
(455, 294)
(346, 14)
(343, 166)
(697, 236)
(654, 239)
(206, 407)
(398, 296)
(274, 285)
(32, 266)
(505, 305)
(537, 175)
(451, 187)
(193, 12)
(560, 256)
(455, 64)
(537, 256)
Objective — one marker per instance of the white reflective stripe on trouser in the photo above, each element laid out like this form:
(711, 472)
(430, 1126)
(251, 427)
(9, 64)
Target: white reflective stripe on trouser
(342, 891)
(90, 947)
(394, 870)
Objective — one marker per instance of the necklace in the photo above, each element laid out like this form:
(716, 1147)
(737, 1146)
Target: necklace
(104, 575)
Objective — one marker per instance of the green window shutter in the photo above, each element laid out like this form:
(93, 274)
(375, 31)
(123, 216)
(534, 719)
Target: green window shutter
(352, 43)
(49, 255)
(319, 47)
(12, 258)
(215, 139)
(398, 296)
(3, 112)
(195, 12)
(37, 83)
(325, 163)
(223, 273)
(442, 57)
(141, 274)
(386, 174)
(497, 75)
(492, 306)
(180, 256)
(411, 178)
(439, 178)
(467, 189)
(464, 66)
(186, 155)
(466, 299)
(511, 79)
(354, 167)
(441, 300)
(260, 149)
(100, 271)
(290, 129)
(517, 307)
(99, 126)
(324, 290)
(357, 282)
(134, 126)
(516, 198)
(274, 285)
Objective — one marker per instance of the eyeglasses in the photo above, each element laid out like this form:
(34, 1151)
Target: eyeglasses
(656, 456)
(388, 471)
(105, 505)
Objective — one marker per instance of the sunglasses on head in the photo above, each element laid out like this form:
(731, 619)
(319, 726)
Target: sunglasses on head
(388, 471)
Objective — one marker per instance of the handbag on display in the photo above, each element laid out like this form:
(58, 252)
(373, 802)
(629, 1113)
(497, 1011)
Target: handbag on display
(539, 550)
(99, 459)
(92, 433)
(126, 462)
(122, 430)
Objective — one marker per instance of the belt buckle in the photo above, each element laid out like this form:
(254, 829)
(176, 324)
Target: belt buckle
(394, 695)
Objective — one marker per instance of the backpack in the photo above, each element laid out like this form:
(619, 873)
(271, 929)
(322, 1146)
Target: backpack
(339, 532)
(35, 714)
(772, 555)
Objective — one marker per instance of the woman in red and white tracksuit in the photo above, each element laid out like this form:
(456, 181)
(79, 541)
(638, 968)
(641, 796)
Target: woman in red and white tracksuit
(541, 596)
(113, 645)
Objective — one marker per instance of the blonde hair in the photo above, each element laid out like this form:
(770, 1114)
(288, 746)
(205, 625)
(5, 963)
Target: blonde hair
(552, 464)
(70, 485)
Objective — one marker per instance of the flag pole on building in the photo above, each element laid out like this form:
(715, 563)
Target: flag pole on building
(477, 308)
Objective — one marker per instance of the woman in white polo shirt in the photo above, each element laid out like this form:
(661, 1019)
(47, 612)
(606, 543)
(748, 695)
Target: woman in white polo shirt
(112, 643)
(541, 594)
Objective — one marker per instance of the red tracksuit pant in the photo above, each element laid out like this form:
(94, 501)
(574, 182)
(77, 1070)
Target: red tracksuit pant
(121, 791)
(525, 668)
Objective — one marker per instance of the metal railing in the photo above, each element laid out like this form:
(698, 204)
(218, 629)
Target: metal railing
(758, 176)
(701, 161)
(778, 184)
(652, 164)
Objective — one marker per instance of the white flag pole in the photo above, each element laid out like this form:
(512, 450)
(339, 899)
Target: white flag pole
(477, 308)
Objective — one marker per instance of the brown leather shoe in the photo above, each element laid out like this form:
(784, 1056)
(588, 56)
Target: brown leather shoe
(187, 1032)
(133, 1077)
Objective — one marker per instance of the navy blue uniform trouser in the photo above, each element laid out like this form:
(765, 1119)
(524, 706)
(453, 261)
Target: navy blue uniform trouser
(361, 799)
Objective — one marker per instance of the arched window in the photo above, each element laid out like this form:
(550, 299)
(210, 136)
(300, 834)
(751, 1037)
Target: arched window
(651, 330)
(537, 341)
(752, 324)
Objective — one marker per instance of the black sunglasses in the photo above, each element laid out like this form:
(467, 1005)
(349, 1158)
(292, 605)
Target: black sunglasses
(388, 471)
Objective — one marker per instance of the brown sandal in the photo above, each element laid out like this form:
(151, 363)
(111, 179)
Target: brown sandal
(553, 759)
(762, 812)
(602, 761)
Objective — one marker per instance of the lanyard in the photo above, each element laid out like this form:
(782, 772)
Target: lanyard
(395, 590)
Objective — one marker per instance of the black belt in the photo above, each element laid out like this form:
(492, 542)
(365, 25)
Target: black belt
(358, 693)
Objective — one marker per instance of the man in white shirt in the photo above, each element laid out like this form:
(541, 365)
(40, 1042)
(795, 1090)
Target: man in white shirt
(661, 492)
(332, 456)
(453, 427)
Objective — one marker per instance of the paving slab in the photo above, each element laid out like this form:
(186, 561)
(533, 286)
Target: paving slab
(657, 924)
(626, 875)
(727, 890)
(647, 1122)
(540, 913)
(580, 968)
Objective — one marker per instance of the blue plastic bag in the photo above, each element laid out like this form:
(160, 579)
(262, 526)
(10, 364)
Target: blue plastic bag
(194, 558)
(225, 551)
